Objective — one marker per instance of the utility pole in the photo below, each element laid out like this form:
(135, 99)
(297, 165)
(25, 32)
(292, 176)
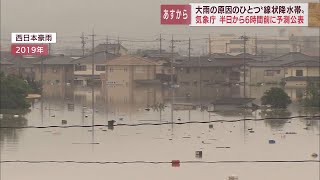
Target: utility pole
(83, 42)
(106, 52)
(209, 45)
(92, 84)
(227, 48)
(245, 39)
(118, 46)
(276, 47)
(171, 84)
(256, 45)
(189, 50)
(261, 53)
(160, 41)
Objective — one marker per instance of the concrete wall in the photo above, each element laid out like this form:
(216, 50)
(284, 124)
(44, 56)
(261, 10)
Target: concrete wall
(307, 71)
(256, 75)
(55, 73)
(208, 75)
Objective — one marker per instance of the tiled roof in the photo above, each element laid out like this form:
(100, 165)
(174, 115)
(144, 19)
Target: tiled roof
(111, 47)
(290, 59)
(213, 62)
(57, 60)
(131, 61)
(5, 62)
(99, 58)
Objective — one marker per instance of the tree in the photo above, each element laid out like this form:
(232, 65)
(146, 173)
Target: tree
(312, 96)
(276, 97)
(13, 92)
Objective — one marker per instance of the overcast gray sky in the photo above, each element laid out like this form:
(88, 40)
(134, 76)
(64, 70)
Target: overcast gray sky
(128, 18)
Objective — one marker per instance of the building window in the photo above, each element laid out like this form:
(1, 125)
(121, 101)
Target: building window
(195, 83)
(100, 67)
(185, 83)
(268, 73)
(80, 68)
(277, 71)
(187, 70)
(299, 72)
(139, 69)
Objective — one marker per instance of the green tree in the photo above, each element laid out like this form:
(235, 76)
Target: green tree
(13, 92)
(312, 96)
(276, 97)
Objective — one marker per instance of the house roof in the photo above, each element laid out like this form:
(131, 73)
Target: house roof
(304, 64)
(213, 62)
(246, 55)
(221, 55)
(111, 47)
(131, 61)
(57, 60)
(290, 59)
(293, 56)
(5, 62)
(99, 58)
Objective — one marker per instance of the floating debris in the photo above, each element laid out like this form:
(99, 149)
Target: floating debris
(314, 155)
(251, 131)
(222, 147)
(147, 109)
(186, 137)
(199, 154)
(233, 177)
(86, 116)
(15, 116)
(211, 126)
(111, 124)
(179, 119)
(306, 128)
(64, 122)
(121, 119)
(175, 163)
(53, 116)
(204, 142)
(291, 133)
(272, 141)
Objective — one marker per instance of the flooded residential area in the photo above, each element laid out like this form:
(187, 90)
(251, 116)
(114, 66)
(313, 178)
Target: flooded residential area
(213, 105)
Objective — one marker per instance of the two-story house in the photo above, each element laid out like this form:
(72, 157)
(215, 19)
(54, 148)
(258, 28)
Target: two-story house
(83, 67)
(54, 70)
(126, 70)
(294, 69)
(116, 49)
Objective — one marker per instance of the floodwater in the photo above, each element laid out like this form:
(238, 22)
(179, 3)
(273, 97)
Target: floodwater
(295, 139)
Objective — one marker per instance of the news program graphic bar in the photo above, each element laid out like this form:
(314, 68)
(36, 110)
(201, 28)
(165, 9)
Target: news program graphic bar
(29, 49)
(242, 14)
(34, 38)
(175, 14)
(249, 14)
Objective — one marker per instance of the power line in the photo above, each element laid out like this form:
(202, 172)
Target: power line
(161, 162)
(312, 118)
